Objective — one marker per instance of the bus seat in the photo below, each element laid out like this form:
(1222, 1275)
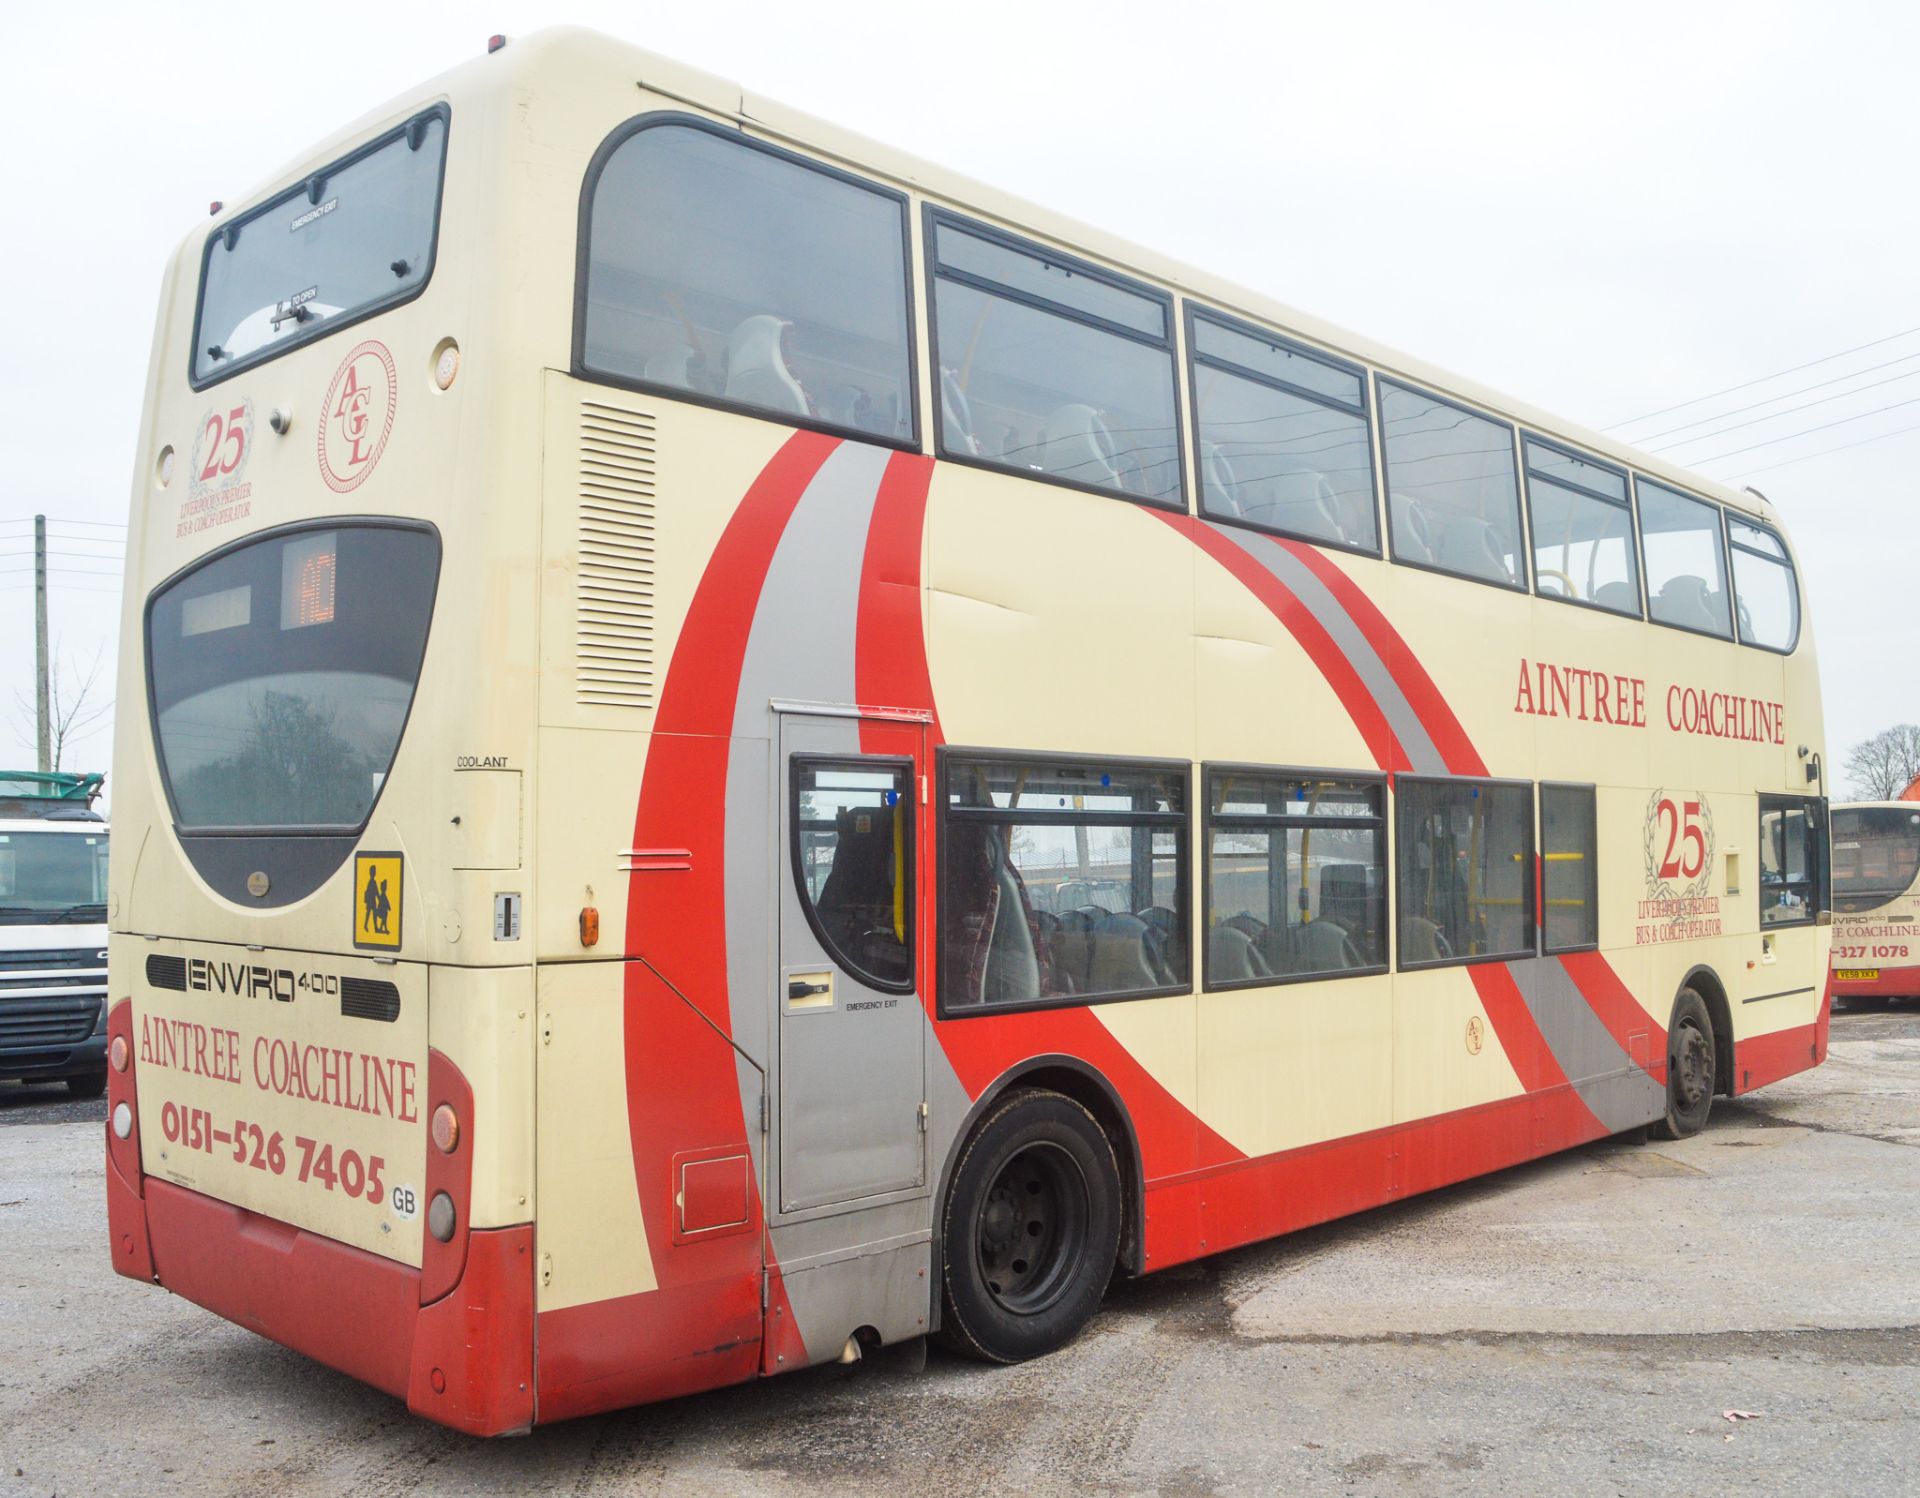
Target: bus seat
(1219, 488)
(1075, 444)
(1421, 941)
(858, 894)
(1233, 958)
(757, 372)
(1468, 544)
(1687, 600)
(1298, 500)
(1623, 597)
(1119, 961)
(1321, 946)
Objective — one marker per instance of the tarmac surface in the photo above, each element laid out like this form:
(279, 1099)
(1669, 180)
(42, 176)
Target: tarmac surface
(1579, 1325)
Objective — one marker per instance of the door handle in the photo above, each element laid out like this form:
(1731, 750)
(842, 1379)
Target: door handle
(799, 988)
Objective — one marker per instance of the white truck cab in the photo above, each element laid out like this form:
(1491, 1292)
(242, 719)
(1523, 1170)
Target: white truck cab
(53, 931)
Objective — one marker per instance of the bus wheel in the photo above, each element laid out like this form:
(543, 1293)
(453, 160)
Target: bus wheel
(1690, 1068)
(1031, 1230)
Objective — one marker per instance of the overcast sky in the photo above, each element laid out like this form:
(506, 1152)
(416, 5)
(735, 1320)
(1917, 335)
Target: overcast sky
(1602, 208)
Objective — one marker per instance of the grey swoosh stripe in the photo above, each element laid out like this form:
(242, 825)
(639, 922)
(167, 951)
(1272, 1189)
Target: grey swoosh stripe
(1621, 1094)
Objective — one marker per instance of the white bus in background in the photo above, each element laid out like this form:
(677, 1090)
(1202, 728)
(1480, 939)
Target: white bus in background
(1876, 900)
(53, 931)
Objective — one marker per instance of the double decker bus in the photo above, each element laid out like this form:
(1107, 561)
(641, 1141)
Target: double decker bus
(755, 750)
(1876, 900)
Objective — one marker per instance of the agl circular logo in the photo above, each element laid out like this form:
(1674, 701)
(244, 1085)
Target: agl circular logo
(357, 416)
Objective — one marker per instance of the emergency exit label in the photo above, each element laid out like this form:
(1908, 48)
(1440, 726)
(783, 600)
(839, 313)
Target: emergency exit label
(377, 893)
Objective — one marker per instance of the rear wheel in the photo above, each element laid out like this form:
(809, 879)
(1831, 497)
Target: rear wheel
(88, 1084)
(1691, 1068)
(1031, 1229)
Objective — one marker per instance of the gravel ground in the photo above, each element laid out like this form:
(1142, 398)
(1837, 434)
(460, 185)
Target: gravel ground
(1578, 1325)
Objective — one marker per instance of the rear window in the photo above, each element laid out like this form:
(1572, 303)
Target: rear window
(282, 673)
(352, 238)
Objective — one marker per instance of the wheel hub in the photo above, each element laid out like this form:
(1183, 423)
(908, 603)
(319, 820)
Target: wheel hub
(1031, 1228)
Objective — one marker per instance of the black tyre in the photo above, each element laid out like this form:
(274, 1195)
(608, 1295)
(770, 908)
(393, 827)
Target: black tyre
(1691, 1068)
(88, 1084)
(1031, 1229)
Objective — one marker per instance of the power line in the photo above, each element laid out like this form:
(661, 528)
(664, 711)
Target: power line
(1852, 374)
(1825, 451)
(1808, 431)
(105, 525)
(1776, 415)
(1749, 384)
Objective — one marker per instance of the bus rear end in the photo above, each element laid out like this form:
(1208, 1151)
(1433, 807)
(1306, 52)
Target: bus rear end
(1876, 900)
(319, 1043)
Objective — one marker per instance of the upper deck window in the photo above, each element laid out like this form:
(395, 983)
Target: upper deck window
(1452, 498)
(1767, 604)
(352, 238)
(721, 269)
(1582, 530)
(1284, 438)
(1051, 367)
(1686, 560)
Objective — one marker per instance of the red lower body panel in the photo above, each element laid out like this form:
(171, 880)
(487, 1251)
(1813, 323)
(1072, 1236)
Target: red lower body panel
(466, 1360)
(1893, 983)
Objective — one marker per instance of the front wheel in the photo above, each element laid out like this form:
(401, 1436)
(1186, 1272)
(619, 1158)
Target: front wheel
(1031, 1229)
(1691, 1068)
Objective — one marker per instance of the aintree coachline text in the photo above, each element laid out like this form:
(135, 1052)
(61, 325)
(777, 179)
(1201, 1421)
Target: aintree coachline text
(354, 1080)
(1551, 691)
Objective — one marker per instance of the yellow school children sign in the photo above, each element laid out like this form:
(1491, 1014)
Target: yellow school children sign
(377, 892)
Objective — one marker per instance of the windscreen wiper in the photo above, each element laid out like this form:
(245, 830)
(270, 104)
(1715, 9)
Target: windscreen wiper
(80, 915)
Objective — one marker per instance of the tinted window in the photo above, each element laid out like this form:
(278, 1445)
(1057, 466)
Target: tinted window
(1464, 870)
(1686, 560)
(1569, 878)
(1767, 603)
(1296, 878)
(282, 674)
(1789, 860)
(44, 874)
(853, 862)
(351, 237)
(1452, 497)
(1046, 366)
(1284, 442)
(1061, 881)
(1876, 855)
(1582, 530)
(733, 273)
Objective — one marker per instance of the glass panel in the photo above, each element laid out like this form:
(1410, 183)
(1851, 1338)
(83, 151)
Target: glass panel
(1686, 561)
(1450, 483)
(724, 270)
(1060, 882)
(52, 876)
(1876, 855)
(301, 263)
(1041, 393)
(1583, 548)
(1283, 461)
(1554, 464)
(1056, 281)
(283, 672)
(852, 839)
(1465, 886)
(1767, 605)
(1278, 360)
(1787, 866)
(1570, 877)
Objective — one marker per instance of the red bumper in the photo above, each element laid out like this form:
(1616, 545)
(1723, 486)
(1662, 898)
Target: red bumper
(1893, 983)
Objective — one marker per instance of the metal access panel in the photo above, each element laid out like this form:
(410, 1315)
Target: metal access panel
(851, 1027)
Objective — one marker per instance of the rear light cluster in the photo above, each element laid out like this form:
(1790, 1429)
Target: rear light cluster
(445, 1131)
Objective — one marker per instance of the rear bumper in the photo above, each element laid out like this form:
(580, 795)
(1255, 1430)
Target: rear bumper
(52, 1065)
(1893, 983)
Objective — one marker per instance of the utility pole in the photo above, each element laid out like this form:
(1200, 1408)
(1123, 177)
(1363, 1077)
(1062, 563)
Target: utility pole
(40, 640)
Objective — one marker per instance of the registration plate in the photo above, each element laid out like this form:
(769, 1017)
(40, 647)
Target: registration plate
(1857, 974)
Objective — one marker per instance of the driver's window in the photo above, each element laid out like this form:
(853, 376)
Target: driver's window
(1296, 877)
(853, 863)
(1052, 368)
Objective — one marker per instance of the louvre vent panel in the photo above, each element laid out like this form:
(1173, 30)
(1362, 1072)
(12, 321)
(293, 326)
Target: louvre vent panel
(614, 533)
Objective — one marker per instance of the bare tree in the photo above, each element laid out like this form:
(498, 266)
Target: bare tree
(1883, 766)
(73, 705)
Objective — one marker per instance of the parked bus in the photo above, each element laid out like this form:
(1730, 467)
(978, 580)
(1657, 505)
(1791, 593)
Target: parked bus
(755, 750)
(1876, 900)
(53, 930)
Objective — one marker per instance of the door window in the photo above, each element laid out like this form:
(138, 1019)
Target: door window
(853, 864)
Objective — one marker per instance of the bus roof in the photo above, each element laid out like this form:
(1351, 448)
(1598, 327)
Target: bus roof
(570, 59)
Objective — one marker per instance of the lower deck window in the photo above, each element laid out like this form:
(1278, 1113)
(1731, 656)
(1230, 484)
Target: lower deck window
(1061, 881)
(1464, 870)
(1296, 878)
(1570, 921)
